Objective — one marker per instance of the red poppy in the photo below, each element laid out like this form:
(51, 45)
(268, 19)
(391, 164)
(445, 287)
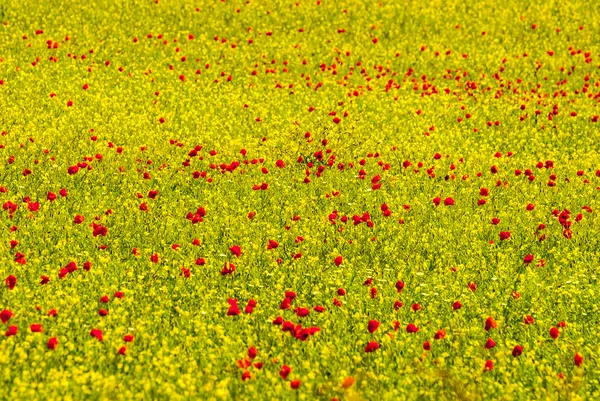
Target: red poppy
(372, 326)
(372, 346)
(517, 351)
(490, 323)
(96, 333)
(285, 371)
(234, 310)
(236, 250)
(52, 343)
(5, 315)
(11, 281)
(301, 312)
(228, 268)
(578, 359)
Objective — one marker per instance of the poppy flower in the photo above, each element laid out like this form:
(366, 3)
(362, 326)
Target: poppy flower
(252, 353)
(427, 346)
(578, 359)
(490, 323)
(295, 384)
(517, 351)
(411, 328)
(448, 202)
(128, 338)
(489, 365)
(272, 244)
(52, 343)
(372, 326)
(20, 258)
(528, 319)
(99, 229)
(233, 310)
(456, 305)
(5, 315)
(285, 304)
(436, 201)
(236, 250)
(399, 286)
(96, 333)
(489, 344)
(122, 350)
(12, 331)
(440, 334)
(338, 260)
(554, 333)
(250, 306)
(285, 371)
(348, 382)
(301, 312)
(504, 235)
(372, 346)
(528, 259)
(11, 281)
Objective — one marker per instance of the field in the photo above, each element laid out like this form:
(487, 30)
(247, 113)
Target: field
(305, 200)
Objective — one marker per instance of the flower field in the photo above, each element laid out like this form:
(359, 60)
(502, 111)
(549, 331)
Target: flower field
(310, 199)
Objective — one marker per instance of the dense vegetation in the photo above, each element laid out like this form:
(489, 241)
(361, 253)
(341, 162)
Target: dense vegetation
(315, 199)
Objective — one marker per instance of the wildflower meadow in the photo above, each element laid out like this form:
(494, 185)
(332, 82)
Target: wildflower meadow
(299, 200)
